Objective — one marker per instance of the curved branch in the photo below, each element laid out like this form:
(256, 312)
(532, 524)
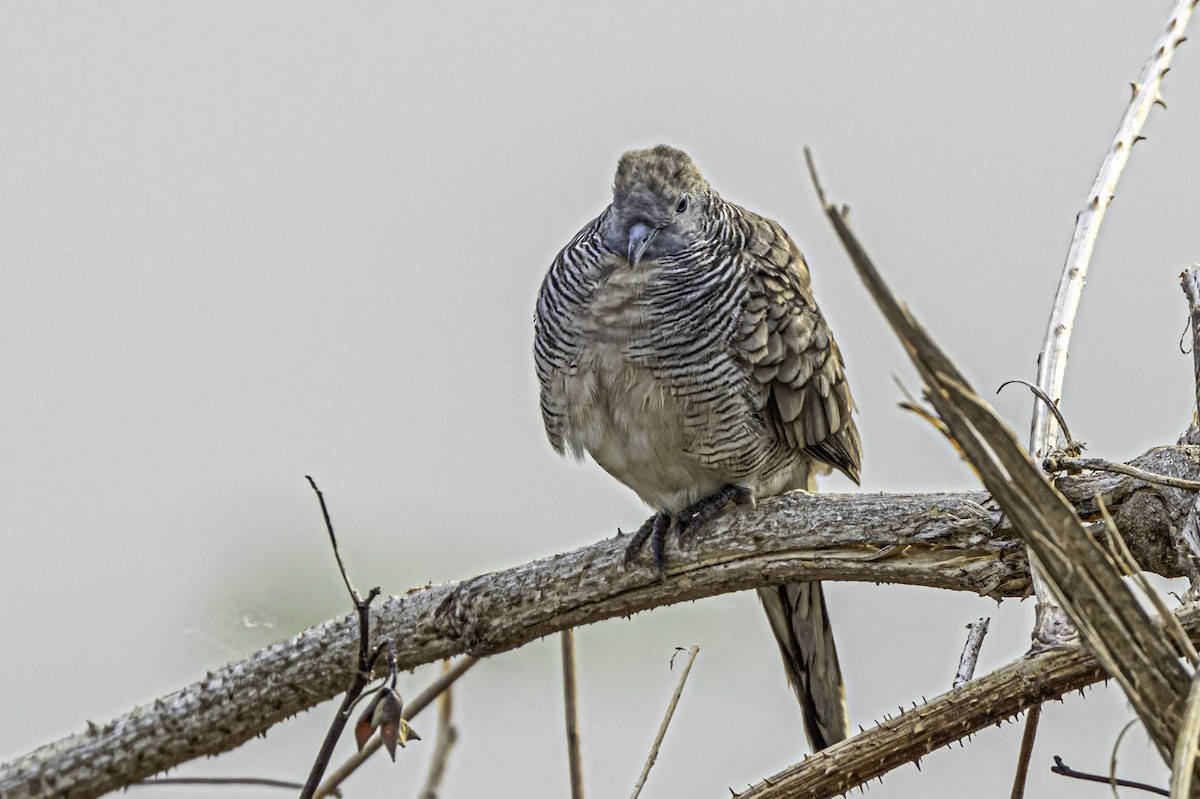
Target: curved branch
(942, 540)
(909, 736)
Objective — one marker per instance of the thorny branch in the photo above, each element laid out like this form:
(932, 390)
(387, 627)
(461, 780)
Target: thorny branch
(1051, 626)
(907, 737)
(944, 540)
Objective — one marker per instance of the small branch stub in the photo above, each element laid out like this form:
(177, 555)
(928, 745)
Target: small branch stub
(976, 630)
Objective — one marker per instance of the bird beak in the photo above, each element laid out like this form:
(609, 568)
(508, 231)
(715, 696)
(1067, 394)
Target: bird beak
(640, 236)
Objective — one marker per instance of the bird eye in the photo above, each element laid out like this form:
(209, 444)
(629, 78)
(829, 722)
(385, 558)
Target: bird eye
(682, 205)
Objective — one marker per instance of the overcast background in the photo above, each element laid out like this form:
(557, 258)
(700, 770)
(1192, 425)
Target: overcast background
(245, 242)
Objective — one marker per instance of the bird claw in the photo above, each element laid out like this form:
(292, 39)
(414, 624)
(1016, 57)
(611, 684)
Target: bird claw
(695, 516)
(653, 529)
(700, 513)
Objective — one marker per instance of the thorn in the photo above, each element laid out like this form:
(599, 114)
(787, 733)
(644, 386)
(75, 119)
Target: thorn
(1134, 88)
(1160, 101)
(1138, 138)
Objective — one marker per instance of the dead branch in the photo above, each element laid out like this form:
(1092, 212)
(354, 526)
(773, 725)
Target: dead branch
(946, 540)
(956, 714)
(1050, 625)
(970, 654)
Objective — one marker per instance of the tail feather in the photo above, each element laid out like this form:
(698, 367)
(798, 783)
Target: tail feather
(800, 623)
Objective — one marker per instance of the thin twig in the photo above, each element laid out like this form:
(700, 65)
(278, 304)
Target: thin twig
(447, 736)
(1027, 738)
(340, 774)
(1112, 758)
(1054, 463)
(970, 654)
(354, 595)
(1062, 768)
(1189, 280)
(1051, 626)
(1072, 446)
(366, 660)
(570, 702)
(1189, 531)
(255, 781)
(662, 728)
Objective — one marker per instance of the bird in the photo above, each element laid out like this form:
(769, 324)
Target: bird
(678, 343)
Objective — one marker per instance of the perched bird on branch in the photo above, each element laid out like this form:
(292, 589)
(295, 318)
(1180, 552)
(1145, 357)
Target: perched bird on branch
(678, 343)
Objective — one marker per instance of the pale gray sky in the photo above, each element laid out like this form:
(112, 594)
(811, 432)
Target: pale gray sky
(240, 243)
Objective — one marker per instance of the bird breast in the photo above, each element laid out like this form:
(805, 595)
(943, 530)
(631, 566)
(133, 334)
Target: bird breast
(626, 413)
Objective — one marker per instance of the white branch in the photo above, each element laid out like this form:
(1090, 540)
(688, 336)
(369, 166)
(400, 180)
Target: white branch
(1052, 627)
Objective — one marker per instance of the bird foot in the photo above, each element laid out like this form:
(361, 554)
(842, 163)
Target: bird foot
(697, 515)
(691, 518)
(655, 529)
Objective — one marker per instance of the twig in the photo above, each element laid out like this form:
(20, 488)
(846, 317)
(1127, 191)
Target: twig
(339, 775)
(1054, 463)
(255, 781)
(1189, 532)
(1027, 738)
(366, 660)
(1189, 280)
(970, 654)
(1062, 768)
(1073, 447)
(1112, 758)
(570, 702)
(662, 728)
(447, 736)
(1051, 626)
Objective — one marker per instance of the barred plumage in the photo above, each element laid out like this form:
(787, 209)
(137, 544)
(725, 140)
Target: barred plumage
(678, 343)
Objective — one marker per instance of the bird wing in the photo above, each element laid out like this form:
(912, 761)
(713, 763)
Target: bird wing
(795, 365)
(565, 291)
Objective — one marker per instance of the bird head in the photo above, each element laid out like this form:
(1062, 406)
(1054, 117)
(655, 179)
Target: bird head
(659, 201)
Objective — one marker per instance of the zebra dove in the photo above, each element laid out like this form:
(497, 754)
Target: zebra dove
(678, 343)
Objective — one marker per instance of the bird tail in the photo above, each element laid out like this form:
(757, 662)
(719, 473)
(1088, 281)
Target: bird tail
(801, 625)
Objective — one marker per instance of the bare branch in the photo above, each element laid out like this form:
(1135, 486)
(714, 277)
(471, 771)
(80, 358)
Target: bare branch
(1079, 573)
(662, 728)
(1147, 91)
(1054, 463)
(970, 654)
(1050, 626)
(938, 540)
(983, 702)
(1062, 768)
(447, 736)
(1032, 717)
(571, 707)
(1189, 279)
(1189, 532)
